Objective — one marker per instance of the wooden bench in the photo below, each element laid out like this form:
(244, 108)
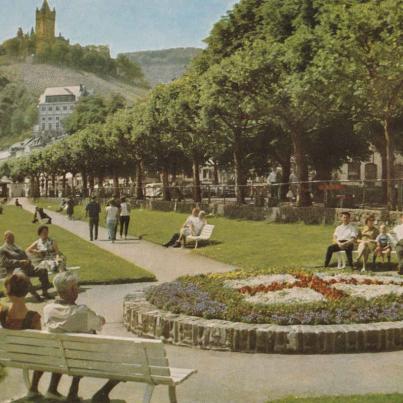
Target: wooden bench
(341, 258)
(121, 359)
(205, 235)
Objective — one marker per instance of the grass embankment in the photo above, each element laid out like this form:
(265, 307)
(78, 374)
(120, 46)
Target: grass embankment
(373, 398)
(97, 265)
(245, 244)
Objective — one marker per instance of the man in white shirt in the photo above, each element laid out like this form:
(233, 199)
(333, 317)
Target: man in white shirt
(344, 238)
(65, 316)
(397, 235)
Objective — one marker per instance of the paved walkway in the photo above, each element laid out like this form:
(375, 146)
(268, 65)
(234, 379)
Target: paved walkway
(231, 377)
(166, 264)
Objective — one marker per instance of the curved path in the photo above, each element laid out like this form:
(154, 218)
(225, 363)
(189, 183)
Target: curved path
(224, 377)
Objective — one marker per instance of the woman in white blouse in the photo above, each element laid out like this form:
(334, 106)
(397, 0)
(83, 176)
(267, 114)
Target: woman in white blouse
(112, 213)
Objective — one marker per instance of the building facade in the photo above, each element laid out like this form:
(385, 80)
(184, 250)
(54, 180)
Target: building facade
(55, 104)
(45, 27)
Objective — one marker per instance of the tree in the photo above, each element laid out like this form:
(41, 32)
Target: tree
(364, 43)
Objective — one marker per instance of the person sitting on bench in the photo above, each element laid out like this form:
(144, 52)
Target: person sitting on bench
(383, 244)
(344, 238)
(17, 203)
(41, 215)
(14, 258)
(45, 252)
(65, 316)
(397, 234)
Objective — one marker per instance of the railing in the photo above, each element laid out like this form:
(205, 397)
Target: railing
(343, 194)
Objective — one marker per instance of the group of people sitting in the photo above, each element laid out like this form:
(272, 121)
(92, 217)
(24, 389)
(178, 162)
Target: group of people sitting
(192, 226)
(40, 258)
(62, 315)
(369, 240)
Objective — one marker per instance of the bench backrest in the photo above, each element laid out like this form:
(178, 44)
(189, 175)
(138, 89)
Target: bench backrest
(130, 359)
(207, 231)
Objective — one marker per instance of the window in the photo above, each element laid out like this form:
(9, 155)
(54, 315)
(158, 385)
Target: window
(50, 118)
(371, 171)
(57, 108)
(50, 108)
(43, 108)
(43, 118)
(354, 171)
(43, 126)
(57, 118)
(57, 125)
(71, 107)
(65, 108)
(50, 126)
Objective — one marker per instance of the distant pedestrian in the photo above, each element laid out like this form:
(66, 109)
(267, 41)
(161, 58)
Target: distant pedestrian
(70, 209)
(17, 203)
(124, 218)
(112, 214)
(92, 211)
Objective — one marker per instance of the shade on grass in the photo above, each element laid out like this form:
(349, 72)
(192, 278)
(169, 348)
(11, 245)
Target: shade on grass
(245, 244)
(373, 398)
(97, 265)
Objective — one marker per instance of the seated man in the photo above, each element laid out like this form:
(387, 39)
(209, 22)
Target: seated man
(12, 257)
(41, 215)
(65, 316)
(17, 203)
(397, 236)
(344, 238)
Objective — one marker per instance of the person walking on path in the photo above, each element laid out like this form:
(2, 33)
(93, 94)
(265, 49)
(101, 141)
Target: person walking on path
(70, 209)
(112, 213)
(92, 211)
(344, 238)
(124, 218)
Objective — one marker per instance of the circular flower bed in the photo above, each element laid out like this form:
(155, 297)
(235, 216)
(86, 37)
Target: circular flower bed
(298, 297)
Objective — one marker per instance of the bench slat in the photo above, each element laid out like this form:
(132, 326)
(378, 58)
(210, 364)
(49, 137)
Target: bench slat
(108, 357)
(132, 348)
(28, 341)
(43, 351)
(105, 366)
(29, 358)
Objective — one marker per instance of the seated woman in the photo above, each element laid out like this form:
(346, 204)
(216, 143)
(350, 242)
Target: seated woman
(185, 231)
(18, 317)
(45, 252)
(383, 244)
(367, 241)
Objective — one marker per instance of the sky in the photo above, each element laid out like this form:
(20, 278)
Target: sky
(124, 25)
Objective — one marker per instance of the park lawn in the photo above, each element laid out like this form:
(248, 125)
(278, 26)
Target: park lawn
(372, 398)
(97, 265)
(242, 243)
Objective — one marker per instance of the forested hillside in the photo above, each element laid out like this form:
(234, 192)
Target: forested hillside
(163, 66)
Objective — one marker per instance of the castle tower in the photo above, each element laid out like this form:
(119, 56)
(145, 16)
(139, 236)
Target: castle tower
(45, 26)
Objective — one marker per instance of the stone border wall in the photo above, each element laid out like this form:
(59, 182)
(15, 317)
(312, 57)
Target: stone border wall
(282, 214)
(145, 320)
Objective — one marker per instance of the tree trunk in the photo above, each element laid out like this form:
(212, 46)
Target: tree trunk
(215, 173)
(303, 197)
(91, 182)
(139, 180)
(46, 186)
(100, 186)
(85, 183)
(64, 185)
(54, 185)
(197, 198)
(389, 166)
(286, 169)
(240, 181)
(116, 190)
(165, 185)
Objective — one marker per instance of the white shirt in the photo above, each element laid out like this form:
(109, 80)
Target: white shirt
(111, 213)
(64, 318)
(198, 226)
(124, 209)
(272, 178)
(191, 221)
(397, 233)
(345, 232)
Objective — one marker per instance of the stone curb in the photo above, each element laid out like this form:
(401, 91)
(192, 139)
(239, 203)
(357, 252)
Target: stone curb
(145, 320)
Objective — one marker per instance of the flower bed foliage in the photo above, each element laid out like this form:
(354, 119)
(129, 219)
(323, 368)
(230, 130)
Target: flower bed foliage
(207, 296)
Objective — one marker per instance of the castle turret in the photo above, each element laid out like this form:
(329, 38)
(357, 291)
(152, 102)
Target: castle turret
(45, 26)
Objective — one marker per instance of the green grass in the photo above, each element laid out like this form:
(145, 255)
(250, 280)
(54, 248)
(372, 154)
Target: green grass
(390, 398)
(97, 265)
(245, 244)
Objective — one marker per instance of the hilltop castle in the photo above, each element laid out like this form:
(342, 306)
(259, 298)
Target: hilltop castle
(45, 26)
